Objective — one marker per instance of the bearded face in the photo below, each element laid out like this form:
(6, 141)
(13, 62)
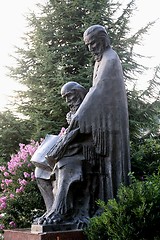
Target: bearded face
(95, 46)
(73, 100)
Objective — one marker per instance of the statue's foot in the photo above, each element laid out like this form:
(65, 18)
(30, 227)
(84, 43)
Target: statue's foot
(81, 221)
(41, 220)
(51, 219)
(38, 220)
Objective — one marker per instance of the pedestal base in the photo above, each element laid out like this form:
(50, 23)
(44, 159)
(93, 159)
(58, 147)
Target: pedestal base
(25, 234)
(52, 228)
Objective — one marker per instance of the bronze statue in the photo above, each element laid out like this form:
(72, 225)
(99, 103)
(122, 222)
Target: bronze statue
(46, 171)
(94, 151)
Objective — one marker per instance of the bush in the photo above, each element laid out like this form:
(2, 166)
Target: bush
(134, 215)
(145, 157)
(19, 195)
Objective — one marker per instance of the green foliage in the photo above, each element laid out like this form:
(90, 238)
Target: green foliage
(54, 54)
(144, 109)
(13, 130)
(134, 215)
(20, 211)
(145, 157)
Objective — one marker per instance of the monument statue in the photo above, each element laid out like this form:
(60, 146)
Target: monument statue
(92, 157)
(45, 171)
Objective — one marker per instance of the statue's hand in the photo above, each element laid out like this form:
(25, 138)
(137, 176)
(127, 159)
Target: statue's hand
(58, 150)
(55, 153)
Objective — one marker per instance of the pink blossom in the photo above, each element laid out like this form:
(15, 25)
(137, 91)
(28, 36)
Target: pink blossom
(11, 195)
(3, 199)
(26, 175)
(22, 182)
(3, 205)
(23, 155)
(14, 163)
(6, 174)
(1, 226)
(12, 224)
(21, 145)
(2, 168)
(8, 181)
(62, 132)
(31, 148)
(21, 189)
(2, 185)
(18, 190)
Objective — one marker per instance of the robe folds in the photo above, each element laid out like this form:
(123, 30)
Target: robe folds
(99, 132)
(104, 115)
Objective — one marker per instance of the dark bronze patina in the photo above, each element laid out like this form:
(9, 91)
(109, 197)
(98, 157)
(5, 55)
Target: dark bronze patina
(92, 157)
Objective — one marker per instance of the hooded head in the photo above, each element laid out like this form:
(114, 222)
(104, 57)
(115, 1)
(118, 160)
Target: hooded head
(74, 94)
(97, 40)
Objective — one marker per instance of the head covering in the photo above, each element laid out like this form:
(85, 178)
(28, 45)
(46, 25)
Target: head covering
(70, 86)
(97, 31)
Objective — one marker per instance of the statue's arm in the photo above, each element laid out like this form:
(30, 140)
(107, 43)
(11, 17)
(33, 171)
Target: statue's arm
(58, 150)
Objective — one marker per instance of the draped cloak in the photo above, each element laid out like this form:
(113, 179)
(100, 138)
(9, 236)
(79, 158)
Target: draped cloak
(104, 114)
(101, 127)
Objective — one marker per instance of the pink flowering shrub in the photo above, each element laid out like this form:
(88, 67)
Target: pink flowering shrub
(19, 195)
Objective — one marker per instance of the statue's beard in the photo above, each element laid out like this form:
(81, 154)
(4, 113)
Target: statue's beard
(97, 54)
(74, 106)
(97, 57)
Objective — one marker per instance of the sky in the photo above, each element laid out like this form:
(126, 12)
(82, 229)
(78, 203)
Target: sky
(13, 26)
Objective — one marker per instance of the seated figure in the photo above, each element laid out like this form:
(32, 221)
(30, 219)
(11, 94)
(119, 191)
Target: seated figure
(92, 157)
(61, 175)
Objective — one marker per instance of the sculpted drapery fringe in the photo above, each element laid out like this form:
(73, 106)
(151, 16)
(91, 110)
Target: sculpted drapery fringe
(91, 159)
(104, 114)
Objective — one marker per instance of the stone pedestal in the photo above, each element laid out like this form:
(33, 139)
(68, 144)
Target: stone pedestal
(52, 228)
(25, 234)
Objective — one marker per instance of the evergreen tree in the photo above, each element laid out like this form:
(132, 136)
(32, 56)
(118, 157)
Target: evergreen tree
(54, 54)
(13, 131)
